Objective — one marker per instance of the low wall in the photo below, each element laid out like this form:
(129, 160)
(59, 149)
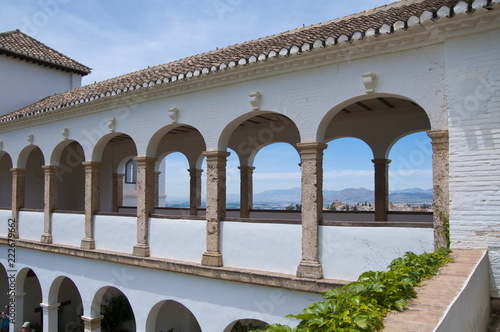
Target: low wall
(471, 309)
(68, 228)
(178, 239)
(30, 225)
(115, 233)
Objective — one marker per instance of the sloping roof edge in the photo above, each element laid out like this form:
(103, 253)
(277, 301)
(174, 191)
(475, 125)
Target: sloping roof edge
(387, 19)
(19, 45)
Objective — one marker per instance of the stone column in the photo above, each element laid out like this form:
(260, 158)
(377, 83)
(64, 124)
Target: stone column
(216, 205)
(117, 191)
(246, 190)
(441, 185)
(157, 189)
(50, 200)
(381, 188)
(50, 316)
(92, 200)
(145, 202)
(194, 190)
(92, 324)
(311, 155)
(16, 325)
(18, 190)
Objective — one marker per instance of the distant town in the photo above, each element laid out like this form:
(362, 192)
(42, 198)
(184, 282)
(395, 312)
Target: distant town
(361, 199)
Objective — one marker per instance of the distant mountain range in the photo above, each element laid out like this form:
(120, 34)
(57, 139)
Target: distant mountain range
(349, 196)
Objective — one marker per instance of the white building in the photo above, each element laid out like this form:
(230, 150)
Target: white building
(377, 76)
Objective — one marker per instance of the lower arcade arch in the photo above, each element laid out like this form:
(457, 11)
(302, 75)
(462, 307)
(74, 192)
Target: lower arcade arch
(28, 304)
(115, 308)
(246, 325)
(170, 315)
(70, 310)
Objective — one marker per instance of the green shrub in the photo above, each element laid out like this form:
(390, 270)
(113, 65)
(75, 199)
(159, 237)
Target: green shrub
(362, 305)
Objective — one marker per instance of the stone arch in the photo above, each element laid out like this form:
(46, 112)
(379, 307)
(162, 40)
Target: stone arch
(110, 151)
(64, 291)
(379, 120)
(254, 153)
(169, 314)
(352, 111)
(32, 159)
(28, 305)
(188, 136)
(247, 323)
(103, 297)
(270, 127)
(5, 180)
(69, 156)
(56, 155)
(412, 161)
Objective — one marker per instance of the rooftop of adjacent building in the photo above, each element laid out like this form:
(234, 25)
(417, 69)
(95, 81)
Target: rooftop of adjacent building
(19, 45)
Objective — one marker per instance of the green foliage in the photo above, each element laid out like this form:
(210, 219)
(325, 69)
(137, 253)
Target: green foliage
(117, 310)
(245, 327)
(363, 304)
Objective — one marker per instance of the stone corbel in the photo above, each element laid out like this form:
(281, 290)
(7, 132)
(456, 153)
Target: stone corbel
(173, 113)
(255, 100)
(65, 132)
(30, 138)
(112, 124)
(369, 82)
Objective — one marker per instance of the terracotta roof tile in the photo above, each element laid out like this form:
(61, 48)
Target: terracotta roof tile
(219, 59)
(18, 44)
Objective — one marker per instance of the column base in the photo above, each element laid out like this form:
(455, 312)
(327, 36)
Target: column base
(211, 258)
(87, 243)
(46, 238)
(310, 269)
(141, 250)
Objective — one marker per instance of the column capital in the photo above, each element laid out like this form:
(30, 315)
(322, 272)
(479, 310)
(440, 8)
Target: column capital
(18, 171)
(50, 168)
(49, 307)
(381, 162)
(215, 154)
(246, 168)
(92, 324)
(195, 171)
(440, 140)
(311, 147)
(144, 160)
(92, 165)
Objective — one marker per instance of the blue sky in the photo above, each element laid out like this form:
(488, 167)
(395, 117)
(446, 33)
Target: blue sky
(116, 37)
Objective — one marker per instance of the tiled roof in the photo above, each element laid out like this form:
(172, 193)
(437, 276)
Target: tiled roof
(383, 20)
(20, 45)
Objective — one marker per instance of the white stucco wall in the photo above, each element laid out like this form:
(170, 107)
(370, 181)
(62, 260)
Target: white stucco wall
(267, 247)
(474, 101)
(346, 252)
(29, 82)
(68, 228)
(5, 215)
(177, 239)
(115, 233)
(214, 303)
(30, 225)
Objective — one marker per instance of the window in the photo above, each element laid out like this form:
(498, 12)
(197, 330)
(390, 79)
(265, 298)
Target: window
(131, 171)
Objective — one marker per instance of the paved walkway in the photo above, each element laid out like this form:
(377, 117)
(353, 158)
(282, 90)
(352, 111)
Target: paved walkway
(436, 295)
